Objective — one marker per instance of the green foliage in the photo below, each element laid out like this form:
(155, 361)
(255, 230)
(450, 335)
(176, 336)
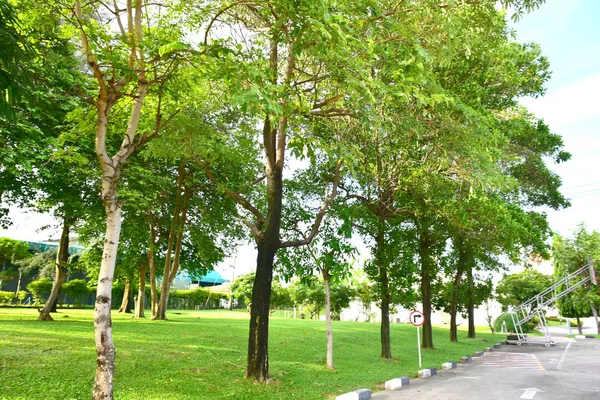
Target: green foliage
(309, 293)
(510, 327)
(22, 295)
(515, 289)
(241, 289)
(570, 254)
(40, 288)
(78, 290)
(12, 250)
(6, 297)
(195, 298)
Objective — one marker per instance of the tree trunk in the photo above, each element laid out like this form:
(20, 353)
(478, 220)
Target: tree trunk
(126, 293)
(462, 260)
(386, 349)
(18, 286)
(258, 353)
(105, 348)
(328, 328)
(175, 238)
(579, 326)
(139, 303)
(152, 271)
(454, 307)
(426, 272)
(595, 313)
(470, 304)
(62, 258)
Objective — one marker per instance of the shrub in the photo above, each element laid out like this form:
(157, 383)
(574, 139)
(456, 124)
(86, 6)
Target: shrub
(189, 299)
(40, 288)
(527, 327)
(22, 295)
(6, 297)
(562, 321)
(77, 289)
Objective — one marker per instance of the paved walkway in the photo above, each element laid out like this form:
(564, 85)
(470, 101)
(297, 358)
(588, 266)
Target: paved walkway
(569, 370)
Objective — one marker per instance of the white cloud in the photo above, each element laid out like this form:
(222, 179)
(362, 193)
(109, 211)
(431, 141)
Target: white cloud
(576, 102)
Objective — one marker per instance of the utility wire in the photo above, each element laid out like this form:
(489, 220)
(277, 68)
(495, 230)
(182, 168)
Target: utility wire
(578, 186)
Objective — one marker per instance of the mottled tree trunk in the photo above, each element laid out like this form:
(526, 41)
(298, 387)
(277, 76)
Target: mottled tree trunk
(328, 327)
(140, 300)
(62, 258)
(471, 304)
(105, 348)
(126, 294)
(579, 326)
(426, 275)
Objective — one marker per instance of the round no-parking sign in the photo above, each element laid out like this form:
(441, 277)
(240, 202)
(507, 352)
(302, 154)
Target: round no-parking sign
(417, 318)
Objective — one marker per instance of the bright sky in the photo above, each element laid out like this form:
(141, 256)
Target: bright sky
(569, 34)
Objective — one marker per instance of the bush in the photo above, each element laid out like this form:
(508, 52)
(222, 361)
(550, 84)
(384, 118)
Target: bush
(77, 289)
(527, 327)
(6, 297)
(189, 299)
(562, 321)
(22, 295)
(40, 288)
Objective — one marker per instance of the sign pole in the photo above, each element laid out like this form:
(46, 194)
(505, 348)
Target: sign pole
(417, 318)
(419, 346)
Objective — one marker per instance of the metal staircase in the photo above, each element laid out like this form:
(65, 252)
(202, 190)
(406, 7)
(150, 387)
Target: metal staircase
(536, 306)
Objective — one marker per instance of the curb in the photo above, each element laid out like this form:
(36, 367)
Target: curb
(449, 365)
(397, 383)
(478, 354)
(360, 394)
(465, 359)
(585, 337)
(427, 372)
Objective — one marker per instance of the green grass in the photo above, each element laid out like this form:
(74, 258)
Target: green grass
(201, 354)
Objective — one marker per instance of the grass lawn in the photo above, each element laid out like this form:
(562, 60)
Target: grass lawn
(201, 355)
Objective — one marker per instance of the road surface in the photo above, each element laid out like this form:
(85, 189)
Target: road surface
(570, 370)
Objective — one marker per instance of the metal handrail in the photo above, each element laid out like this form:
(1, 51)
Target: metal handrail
(535, 305)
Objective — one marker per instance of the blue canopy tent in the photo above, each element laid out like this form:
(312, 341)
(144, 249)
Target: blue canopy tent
(211, 278)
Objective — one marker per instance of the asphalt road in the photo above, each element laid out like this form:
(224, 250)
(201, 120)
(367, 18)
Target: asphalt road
(570, 370)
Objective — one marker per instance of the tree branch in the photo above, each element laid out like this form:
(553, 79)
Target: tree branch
(232, 195)
(320, 215)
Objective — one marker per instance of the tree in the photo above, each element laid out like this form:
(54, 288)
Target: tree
(569, 255)
(299, 81)
(515, 289)
(241, 289)
(127, 62)
(11, 252)
(15, 50)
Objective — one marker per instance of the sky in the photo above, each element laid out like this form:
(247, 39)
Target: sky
(569, 35)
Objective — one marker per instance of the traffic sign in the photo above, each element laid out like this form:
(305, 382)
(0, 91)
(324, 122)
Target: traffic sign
(417, 318)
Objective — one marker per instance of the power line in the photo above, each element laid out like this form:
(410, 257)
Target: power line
(584, 192)
(578, 186)
(586, 195)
